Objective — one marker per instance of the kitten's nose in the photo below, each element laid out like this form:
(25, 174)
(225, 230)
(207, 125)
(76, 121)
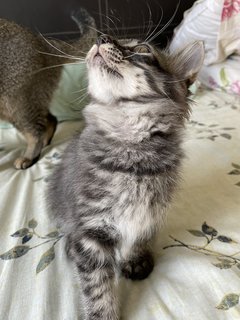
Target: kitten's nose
(103, 39)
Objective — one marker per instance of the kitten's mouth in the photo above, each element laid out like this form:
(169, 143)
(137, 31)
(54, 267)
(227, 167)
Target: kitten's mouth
(98, 59)
(98, 55)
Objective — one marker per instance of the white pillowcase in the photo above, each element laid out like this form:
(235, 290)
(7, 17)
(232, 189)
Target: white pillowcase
(224, 76)
(217, 23)
(201, 22)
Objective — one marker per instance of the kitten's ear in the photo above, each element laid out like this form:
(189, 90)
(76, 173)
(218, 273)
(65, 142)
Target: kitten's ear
(189, 61)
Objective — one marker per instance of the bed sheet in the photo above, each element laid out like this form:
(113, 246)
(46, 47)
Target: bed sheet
(197, 253)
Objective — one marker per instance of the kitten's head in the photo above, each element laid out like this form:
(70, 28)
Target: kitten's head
(127, 69)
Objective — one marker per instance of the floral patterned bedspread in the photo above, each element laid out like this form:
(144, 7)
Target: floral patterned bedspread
(197, 267)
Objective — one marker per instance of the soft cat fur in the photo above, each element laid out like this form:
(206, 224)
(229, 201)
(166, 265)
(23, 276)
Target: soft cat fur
(27, 81)
(116, 179)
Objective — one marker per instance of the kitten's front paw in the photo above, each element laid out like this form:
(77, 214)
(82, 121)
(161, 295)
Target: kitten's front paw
(138, 268)
(22, 163)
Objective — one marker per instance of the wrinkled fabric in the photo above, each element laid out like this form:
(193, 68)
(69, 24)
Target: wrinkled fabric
(216, 23)
(192, 278)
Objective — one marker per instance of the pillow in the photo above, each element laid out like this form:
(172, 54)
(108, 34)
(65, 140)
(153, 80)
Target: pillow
(223, 76)
(201, 22)
(217, 23)
(229, 35)
(71, 95)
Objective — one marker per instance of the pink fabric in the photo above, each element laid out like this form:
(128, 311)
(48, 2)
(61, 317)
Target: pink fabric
(235, 87)
(230, 8)
(212, 83)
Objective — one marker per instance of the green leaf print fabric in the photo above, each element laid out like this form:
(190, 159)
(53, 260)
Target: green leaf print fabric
(197, 252)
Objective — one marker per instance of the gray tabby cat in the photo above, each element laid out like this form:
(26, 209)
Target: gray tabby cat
(110, 193)
(29, 77)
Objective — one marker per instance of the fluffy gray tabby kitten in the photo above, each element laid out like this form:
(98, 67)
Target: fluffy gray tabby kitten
(110, 193)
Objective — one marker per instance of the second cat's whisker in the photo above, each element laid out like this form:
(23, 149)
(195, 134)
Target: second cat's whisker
(57, 66)
(75, 48)
(59, 50)
(60, 56)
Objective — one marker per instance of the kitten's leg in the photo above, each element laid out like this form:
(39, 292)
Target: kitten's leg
(95, 265)
(37, 138)
(137, 262)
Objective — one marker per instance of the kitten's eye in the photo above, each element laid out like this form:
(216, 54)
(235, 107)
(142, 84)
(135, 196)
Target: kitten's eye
(142, 48)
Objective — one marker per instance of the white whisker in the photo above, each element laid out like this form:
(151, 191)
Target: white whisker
(74, 47)
(48, 42)
(168, 97)
(167, 24)
(56, 66)
(114, 24)
(60, 56)
(96, 30)
(174, 81)
(80, 99)
(80, 90)
(131, 55)
(160, 20)
(150, 22)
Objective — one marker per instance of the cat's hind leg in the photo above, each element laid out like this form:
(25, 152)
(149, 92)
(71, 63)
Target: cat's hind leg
(50, 130)
(37, 137)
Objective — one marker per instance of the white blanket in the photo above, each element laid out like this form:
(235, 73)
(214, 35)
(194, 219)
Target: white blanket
(191, 276)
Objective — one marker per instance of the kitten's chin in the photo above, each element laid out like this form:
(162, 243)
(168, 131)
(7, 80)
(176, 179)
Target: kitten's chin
(94, 57)
(98, 60)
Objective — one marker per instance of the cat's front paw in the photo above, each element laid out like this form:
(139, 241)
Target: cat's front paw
(139, 267)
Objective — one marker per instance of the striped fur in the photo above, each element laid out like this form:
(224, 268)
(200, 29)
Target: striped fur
(111, 191)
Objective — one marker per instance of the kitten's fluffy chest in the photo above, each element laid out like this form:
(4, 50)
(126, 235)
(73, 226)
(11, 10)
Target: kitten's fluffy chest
(140, 170)
(139, 206)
